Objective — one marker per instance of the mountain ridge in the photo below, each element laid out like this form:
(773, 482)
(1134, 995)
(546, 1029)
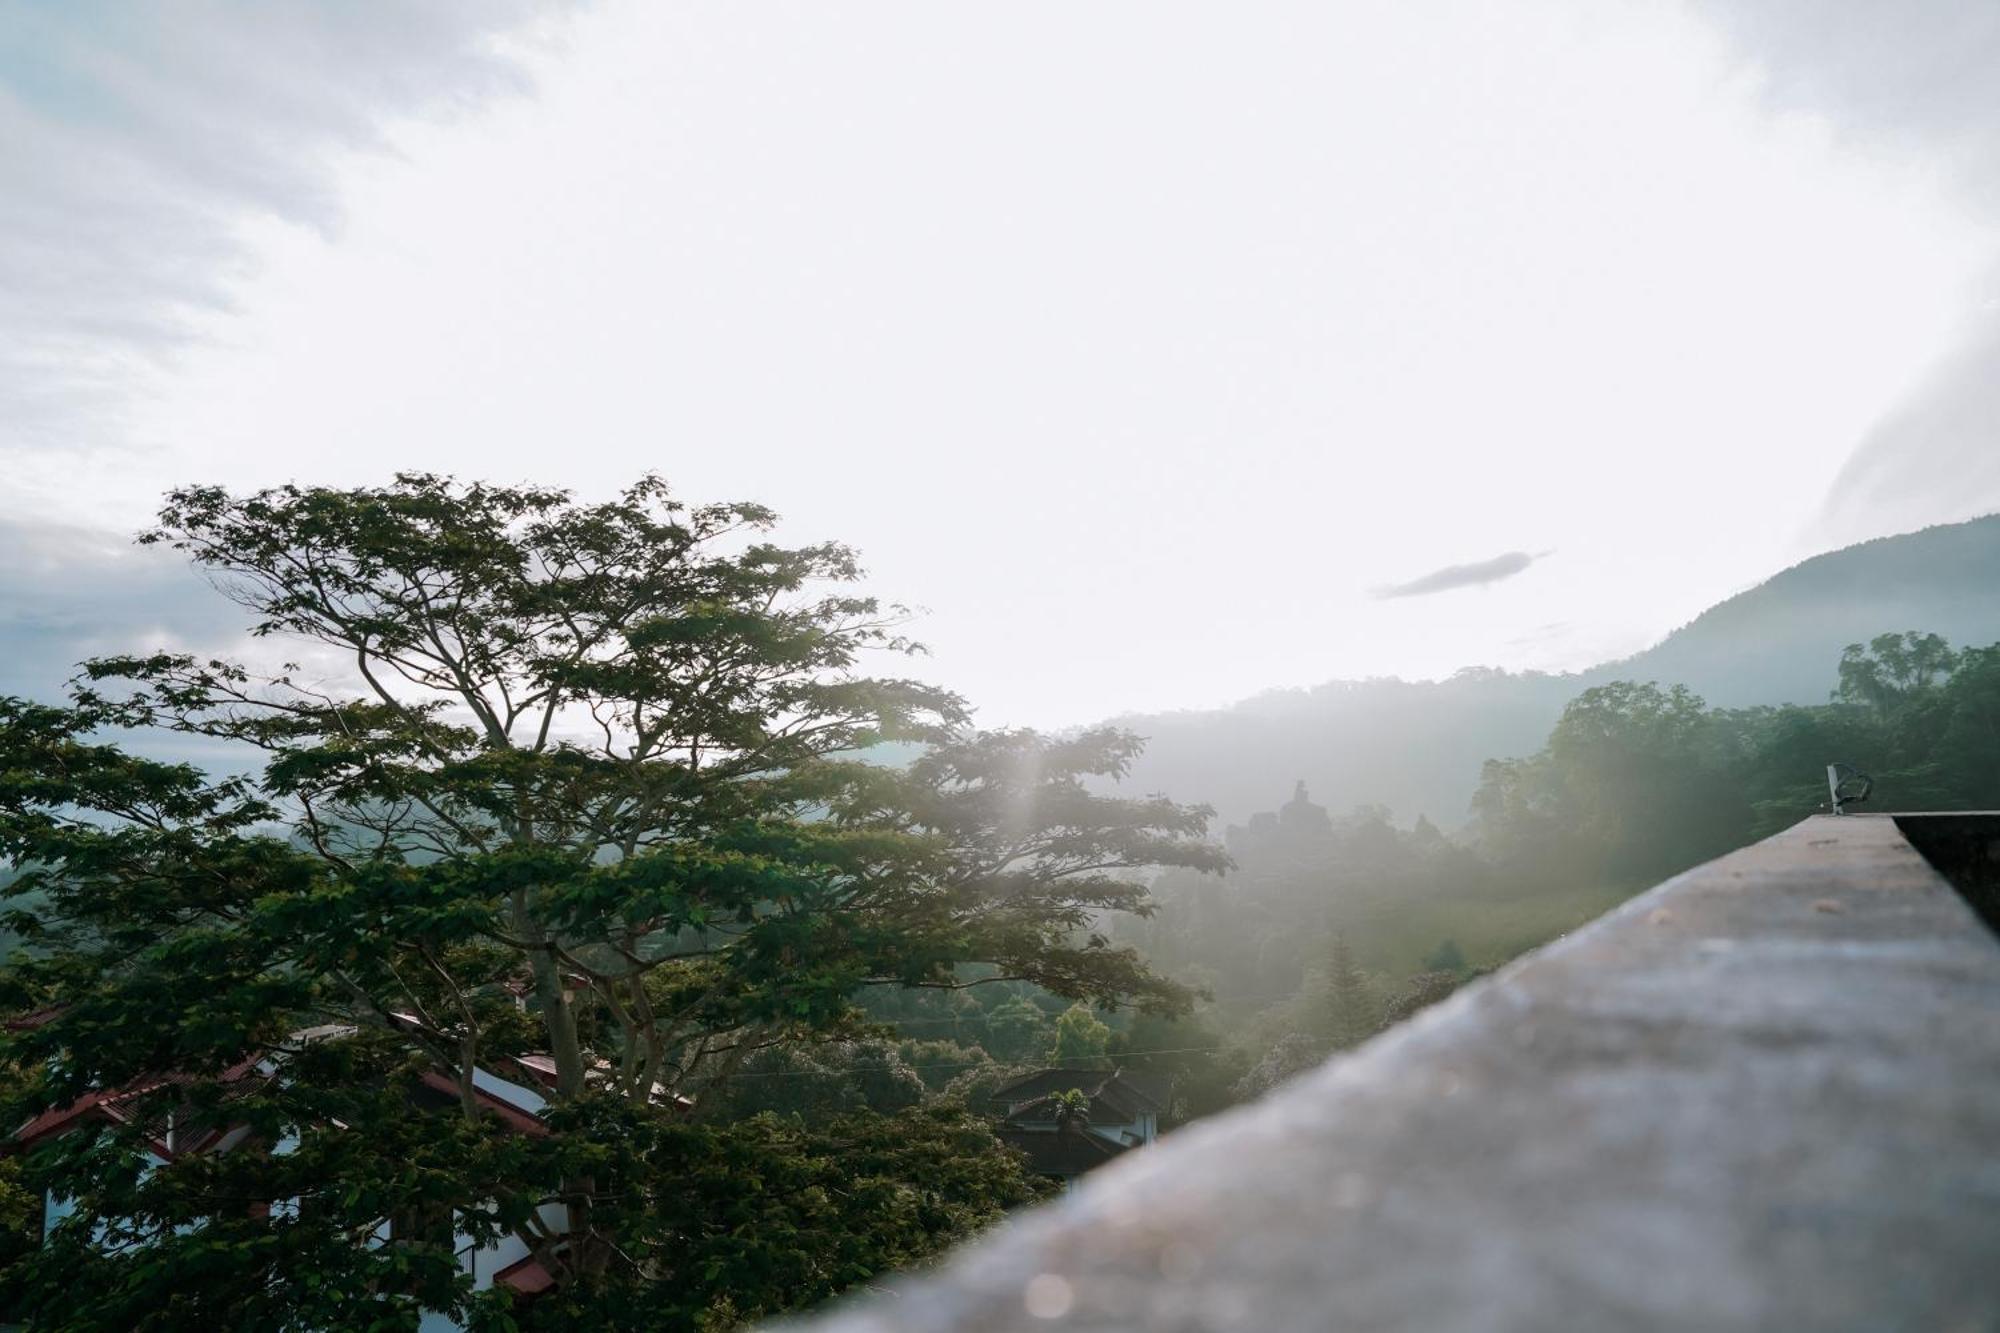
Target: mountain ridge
(1944, 578)
(1417, 746)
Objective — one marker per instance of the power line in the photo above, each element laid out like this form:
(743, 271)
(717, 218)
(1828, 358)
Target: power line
(964, 1064)
(984, 1014)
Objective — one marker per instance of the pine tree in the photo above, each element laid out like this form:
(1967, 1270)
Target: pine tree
(1353, 1012)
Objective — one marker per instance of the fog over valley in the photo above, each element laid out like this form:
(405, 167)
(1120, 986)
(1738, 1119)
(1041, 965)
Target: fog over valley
(929, 668)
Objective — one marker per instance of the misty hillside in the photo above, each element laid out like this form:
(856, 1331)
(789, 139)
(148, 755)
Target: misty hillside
(1778, 642)
(1416, 747)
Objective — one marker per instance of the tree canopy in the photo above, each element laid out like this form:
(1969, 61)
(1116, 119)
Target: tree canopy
(582, 781)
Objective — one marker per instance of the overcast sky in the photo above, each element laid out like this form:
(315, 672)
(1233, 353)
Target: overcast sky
(1163, 352)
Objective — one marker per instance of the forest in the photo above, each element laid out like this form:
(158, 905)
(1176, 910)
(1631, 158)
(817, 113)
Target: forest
(612, 793)
(1327, 928)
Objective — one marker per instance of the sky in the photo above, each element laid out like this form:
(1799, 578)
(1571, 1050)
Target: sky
(1160, 353)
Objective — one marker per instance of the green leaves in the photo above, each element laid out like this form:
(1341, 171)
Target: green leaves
(1893, 668)
(284, 1230)
(1638, 781)
(767, 1215)
(577, 783)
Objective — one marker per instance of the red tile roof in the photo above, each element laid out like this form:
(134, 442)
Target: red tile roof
(527, 1276)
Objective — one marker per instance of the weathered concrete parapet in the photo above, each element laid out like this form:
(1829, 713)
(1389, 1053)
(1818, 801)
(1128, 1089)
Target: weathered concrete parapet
(1764, 1095)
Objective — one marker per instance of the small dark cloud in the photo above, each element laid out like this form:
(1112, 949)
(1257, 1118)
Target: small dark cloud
(1477, 574)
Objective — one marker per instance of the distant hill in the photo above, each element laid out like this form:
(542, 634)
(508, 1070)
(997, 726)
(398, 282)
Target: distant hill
(1414, 747)
(1417, 747)
(1779, 642)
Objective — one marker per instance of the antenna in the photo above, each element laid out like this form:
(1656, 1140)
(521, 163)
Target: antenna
(1847, 785)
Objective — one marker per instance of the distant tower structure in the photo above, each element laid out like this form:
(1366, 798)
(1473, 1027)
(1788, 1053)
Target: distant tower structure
(1300, 816)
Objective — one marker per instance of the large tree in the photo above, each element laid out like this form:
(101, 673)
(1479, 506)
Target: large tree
(548, 777)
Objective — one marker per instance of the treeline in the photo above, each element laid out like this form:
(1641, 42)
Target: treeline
(1328, 928)
(590, 812)
(1639, 781)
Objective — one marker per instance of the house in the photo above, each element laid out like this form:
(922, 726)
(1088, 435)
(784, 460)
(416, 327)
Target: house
(1120, 1111)
(515, 1099)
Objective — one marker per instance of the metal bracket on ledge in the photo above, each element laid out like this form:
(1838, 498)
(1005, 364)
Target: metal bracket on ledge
(1847, 785)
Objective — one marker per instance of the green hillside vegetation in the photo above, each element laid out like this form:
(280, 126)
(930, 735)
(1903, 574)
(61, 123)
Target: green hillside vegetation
(1771, 644)
(776, 983)
(1416, 747)
(422, 873)
(1634, 783)
(1329, 927)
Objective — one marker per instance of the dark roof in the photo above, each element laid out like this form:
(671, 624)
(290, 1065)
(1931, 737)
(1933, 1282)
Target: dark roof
(510, 1115)
(1059, 1153)
(1042, 1111)
(40, 1018)
(527, 1276)
(1124, 1093)
(118, 1106)
(58, 1118)
(539, 1068)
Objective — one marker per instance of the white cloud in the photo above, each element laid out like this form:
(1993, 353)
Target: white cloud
(137, 143)
(1918, 80)
(1136, 341)
(1935, 457)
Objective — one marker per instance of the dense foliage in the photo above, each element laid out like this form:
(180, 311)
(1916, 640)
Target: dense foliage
(575, 792)
(568, 780)
(1330, 927)
(1638, 781)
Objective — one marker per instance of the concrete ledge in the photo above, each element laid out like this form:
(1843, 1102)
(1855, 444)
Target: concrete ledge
(1764, 1095)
